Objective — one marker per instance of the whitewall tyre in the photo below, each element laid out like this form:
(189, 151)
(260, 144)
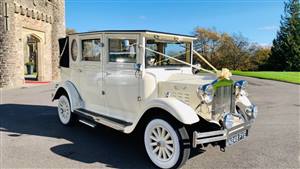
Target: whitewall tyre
(64, 111)
(164, 144)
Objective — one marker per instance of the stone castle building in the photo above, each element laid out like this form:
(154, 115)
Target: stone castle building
(29, 33)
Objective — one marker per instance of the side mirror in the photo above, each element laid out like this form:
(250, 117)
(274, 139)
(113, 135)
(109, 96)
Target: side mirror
(138, 67)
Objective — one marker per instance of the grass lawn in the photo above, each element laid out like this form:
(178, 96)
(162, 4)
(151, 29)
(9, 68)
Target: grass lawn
(292, 77)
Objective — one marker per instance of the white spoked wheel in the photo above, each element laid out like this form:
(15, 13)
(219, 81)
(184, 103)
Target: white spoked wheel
(163, 144)
(64, 110)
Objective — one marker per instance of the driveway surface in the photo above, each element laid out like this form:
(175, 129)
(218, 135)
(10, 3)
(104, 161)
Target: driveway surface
(32, 137)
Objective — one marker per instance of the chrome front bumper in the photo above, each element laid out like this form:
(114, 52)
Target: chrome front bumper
(219, 135)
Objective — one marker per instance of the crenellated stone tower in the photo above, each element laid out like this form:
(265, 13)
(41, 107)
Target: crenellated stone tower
(29, 33)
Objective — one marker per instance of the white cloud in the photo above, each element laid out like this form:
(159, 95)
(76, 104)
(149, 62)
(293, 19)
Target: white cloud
(142, 17)
(268, 28)
(265, 45)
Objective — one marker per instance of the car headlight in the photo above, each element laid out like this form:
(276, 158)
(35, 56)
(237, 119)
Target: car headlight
(206, 93)
(228, 120)
(240, 86)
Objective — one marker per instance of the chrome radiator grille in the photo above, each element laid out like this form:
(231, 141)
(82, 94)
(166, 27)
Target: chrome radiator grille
(223, 101)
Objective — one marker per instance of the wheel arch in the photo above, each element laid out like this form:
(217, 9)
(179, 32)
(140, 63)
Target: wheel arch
(156, 112)
(168, 108)
(69, 89)
(59, 92)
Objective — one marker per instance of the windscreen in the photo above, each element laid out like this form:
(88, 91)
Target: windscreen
(178, 50)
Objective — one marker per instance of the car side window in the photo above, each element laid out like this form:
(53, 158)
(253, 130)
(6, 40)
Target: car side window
(122, 50)
(91, 49)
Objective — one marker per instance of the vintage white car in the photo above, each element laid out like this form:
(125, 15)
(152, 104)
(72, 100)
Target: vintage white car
(141, 79)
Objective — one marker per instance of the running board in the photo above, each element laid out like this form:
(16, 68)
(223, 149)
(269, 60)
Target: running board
(102, 119)
(87, 123)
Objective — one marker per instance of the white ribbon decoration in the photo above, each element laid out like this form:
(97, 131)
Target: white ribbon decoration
(201, 57)
(180, 61)
(223, 74)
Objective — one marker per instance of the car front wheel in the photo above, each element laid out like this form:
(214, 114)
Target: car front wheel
(164, 144)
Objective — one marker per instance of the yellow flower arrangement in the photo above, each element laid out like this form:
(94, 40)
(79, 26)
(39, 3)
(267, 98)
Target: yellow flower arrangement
(224, 74)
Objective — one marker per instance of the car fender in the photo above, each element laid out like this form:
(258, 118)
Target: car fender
(181, 111)
(73, 94)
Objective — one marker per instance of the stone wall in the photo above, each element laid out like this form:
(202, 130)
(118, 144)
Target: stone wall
(8, 75)
(58, 31)
(44, 19)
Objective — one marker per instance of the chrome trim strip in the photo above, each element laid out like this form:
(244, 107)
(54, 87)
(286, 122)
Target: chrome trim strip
(104, 121)
(87, 123)
(212, 133)
(213, 136)
(243, 125)
(209, 140)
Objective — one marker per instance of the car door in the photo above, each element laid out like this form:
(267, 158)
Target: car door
(91, 73)
(121, 83)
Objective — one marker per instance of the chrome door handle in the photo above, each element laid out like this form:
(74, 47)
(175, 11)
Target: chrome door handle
(107, 73)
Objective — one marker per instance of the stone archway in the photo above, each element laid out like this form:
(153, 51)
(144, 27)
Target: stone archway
(32, 57)
(33, 50)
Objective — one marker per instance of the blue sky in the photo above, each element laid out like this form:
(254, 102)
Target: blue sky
(258, 20)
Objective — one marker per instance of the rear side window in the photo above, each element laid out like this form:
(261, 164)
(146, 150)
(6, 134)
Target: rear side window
(122, 50)
(74, 50)
(91, 49)
(64, 52)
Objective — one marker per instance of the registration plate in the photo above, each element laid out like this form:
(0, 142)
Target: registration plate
(237, 137)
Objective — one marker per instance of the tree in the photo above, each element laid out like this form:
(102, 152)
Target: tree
(70, 31)
(259, 57)
(223, 50)
(235, 52)
(285, 52)
(207, 43)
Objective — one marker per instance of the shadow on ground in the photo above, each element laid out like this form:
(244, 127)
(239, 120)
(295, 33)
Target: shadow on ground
(88, 145)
